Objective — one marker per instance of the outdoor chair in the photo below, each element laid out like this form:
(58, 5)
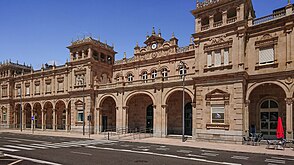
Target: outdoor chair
(257, 139)
(246, 140)
(281, 144)
(270, 144)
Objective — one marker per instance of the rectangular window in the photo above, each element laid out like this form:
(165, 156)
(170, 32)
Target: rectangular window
(217, 114)
(226, 57)
(37, 89)
(4, 119)
(218, 59)
(4, 92)
(266, 56)
(27, 91)
(209, 59)
(18, 91)
(48, 88)
(60, 86)
(80, 115)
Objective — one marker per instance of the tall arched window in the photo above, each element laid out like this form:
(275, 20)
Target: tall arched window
(130, 77)
(144, 76)
(164, 73)
(182, 72)
(153, 74)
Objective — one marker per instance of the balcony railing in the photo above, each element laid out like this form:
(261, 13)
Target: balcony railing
(204, 27)
(217, 24)
(267, 18)
(145, 82)
(231, 20)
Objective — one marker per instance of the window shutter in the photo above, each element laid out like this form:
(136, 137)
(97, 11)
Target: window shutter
(209, 59)
(218, 59)
(226, 57)
(266, 55)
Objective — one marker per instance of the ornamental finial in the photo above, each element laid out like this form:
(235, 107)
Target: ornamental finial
(153, 30)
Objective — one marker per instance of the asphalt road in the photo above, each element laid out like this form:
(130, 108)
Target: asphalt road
(23, 149)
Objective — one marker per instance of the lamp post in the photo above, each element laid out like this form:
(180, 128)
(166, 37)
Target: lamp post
(182, 66)
(83, 106)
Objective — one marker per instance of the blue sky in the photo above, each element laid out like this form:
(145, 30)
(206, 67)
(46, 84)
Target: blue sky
(38, 31)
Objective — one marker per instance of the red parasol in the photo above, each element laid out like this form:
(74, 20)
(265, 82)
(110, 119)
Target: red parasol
(280, 129)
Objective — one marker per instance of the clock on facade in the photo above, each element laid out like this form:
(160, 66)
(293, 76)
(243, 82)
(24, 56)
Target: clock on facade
(154, 46)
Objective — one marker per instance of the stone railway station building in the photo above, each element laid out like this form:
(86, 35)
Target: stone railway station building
(237, 72)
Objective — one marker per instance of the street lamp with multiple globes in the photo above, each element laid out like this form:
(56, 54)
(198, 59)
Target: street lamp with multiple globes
(182, 69)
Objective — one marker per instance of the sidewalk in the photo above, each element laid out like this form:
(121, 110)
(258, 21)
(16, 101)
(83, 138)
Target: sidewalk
(169, 141)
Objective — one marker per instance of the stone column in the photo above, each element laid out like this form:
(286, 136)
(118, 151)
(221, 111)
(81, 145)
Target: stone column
(288, 46)
(32, 121)
(43, 119)
(246, 118)
(66, 119)
(98, 119)
(224, 17)
(289, 118)
(125, 116)
(194, 121)
(241, 51)
(211, 21)
(23, 118)
(164, 121)
(54, 119)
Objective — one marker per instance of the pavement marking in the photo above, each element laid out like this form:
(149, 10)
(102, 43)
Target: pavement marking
(141, 149)
(30, 146)
(282, 158)
(209, 154)
(18, 147)
(184, 151)
(15, 162)
(39, 141)
(275, 161)
(44, 145)
(164, 155)
(14, 141)
(8, 149)
(240, 157)
(207, 151)
(81, 153)
(32, 160)
(162, 149)
(198, 156)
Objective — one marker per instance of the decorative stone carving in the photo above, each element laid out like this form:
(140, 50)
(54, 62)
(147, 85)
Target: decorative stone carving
(289, 101)
(289, 80)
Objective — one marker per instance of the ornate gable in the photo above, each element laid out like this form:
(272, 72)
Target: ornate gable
(217, 43)
(266, 40)
(216, 95)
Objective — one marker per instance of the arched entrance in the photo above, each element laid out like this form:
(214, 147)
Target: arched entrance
(175, 114)
(38, 115)
(61, 115)
(48, 107)
(140, 113)
(269, 113)
(267, 103)
(28, 115)
(108, 113)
